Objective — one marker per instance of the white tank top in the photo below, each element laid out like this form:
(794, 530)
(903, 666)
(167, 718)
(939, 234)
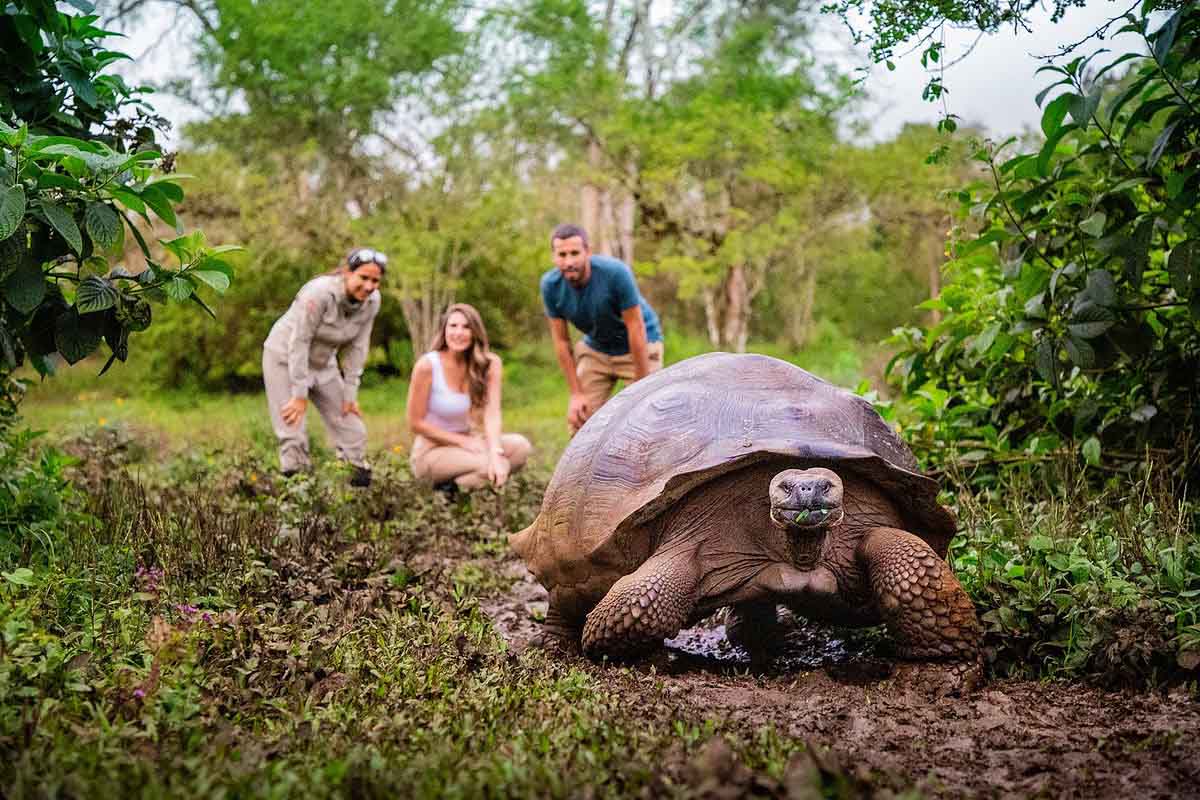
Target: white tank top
(447, 409)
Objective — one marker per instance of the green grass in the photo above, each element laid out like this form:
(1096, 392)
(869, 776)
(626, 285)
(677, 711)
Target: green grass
(178, 621)
(197, 633)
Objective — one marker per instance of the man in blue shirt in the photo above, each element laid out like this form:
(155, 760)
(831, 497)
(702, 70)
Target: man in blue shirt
(599, 296)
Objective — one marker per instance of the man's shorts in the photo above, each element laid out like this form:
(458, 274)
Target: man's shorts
(599, 372)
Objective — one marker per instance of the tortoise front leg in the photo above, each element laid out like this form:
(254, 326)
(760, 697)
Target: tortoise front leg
(558, 632)
(925, 609)
(644, 607)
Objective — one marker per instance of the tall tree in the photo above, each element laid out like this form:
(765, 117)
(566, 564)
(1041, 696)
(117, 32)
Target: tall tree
(731, 165)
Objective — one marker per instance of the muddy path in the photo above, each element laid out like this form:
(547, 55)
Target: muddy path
(890, 726)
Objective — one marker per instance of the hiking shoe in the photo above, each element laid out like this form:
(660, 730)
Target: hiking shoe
(361, 477)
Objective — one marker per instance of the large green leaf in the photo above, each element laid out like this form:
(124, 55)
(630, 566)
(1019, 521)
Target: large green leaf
(1080, 352)
(1182, 265)
(95, 294)
(1082, 109)
(13, 252)
(62, 220)
(25, 288)
(185, 248)
(1045, 359)
(213, 271)
(1100, 288)
(128, 199)
(1091, 320)
(1094, 225)
(156, 198)
(170, 190)
(1048, 149)
(1163, 140)
(1056, 112)
(81, 84)
(178, 287)
(219, 281)
(1164, 37)
(1137, 256)
(77, 335)
(104, 225)
(12, 209)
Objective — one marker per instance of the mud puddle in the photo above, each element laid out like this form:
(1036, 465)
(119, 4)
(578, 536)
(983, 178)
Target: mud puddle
(893, 725)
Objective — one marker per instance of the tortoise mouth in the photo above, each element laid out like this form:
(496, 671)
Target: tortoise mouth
(807, 517)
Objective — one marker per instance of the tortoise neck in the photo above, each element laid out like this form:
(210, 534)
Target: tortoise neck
(805, 549)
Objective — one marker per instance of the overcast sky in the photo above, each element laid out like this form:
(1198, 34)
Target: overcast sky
(993, 87)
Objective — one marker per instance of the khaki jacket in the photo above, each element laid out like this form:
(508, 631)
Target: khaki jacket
(322, 321)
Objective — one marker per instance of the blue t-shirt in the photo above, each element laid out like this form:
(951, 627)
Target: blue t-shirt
(596, 308)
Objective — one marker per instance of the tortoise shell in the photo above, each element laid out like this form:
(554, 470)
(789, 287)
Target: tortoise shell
(673, 431)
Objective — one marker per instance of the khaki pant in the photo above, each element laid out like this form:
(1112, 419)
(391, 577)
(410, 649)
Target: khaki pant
(439, 463)
(598, 373)
(348, 432)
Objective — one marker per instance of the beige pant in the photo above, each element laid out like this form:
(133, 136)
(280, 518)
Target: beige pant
(598, 373)
(348, 432)
(438, 463)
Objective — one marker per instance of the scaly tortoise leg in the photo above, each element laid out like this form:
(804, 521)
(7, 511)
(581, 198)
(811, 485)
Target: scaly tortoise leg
(644, 607)
(925, 609)
(557, 633)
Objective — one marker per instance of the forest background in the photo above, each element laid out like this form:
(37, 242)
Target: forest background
(1023, 311)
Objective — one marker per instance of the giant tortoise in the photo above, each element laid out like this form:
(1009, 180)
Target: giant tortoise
(743, 481)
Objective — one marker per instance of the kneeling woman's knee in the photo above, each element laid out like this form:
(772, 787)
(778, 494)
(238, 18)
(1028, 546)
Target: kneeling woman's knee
(516, 449)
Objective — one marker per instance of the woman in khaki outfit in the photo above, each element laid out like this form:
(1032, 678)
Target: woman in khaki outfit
(331, 313)
(454, 387)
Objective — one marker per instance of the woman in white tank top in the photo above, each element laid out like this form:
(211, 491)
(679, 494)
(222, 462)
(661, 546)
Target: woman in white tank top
(454, 409)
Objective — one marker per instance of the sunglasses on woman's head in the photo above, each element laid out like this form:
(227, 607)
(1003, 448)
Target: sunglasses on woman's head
(366, 255)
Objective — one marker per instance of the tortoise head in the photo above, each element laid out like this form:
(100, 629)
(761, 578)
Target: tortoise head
(806, 500)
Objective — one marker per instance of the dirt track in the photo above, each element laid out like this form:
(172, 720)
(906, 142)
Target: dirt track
(891, 727)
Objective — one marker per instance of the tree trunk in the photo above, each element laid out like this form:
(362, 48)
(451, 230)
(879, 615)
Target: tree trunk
(422, 302)
(737, 309)
(624, 216)
(804, 320)
(712, 317)
(590, 196)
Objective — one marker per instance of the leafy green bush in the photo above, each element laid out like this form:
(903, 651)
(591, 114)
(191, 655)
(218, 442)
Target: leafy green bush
(1073, 583)
(33, 492)
(71, 174)
(1072, 312)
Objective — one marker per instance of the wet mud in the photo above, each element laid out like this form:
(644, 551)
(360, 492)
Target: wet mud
(895, 726)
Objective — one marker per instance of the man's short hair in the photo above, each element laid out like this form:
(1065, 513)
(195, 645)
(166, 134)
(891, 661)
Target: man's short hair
(566, 230)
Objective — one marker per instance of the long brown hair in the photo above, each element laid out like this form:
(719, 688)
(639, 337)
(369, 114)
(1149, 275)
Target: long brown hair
(478, 360)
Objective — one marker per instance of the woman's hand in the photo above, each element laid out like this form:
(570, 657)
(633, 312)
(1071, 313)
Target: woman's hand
(293, 411)
(497, 470)
(351, 407)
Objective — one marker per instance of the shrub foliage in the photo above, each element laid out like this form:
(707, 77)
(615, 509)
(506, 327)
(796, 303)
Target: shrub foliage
(1072, 315)
(73, 174)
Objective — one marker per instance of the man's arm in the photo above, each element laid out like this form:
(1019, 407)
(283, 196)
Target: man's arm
(562, 350)
(636, 327)
(577, 407)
